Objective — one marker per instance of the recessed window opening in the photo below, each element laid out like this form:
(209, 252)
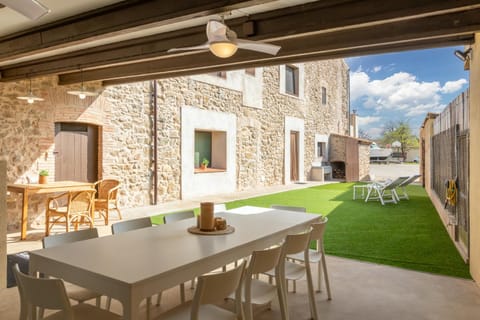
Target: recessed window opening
(291, 80)
(324, 95)
(210, 150)
(321, 146)
(221, 74)
(250, 71)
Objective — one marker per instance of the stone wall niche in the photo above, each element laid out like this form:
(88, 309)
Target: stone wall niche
(224, 129)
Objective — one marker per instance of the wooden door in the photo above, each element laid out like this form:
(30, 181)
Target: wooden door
(351, 160)
(76, 148)
(293, 156)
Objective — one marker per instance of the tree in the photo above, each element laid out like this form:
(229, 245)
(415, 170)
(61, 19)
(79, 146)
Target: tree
(364, 135)
(400, 131)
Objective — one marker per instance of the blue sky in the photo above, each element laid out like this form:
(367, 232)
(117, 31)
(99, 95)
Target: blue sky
(404, 86)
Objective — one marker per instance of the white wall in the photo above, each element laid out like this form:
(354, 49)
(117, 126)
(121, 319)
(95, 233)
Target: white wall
(294, 124)
(321, 138)
(250, 86)
(202, 184)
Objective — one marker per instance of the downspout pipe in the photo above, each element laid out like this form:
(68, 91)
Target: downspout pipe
(155, 146)
(348, 102)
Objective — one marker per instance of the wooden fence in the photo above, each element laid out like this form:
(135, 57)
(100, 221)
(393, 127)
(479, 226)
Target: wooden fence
(450, 160)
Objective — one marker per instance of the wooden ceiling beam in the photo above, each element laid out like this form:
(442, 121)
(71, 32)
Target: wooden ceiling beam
(414, 45)
(438, 27)
(112, 20)
(316, 17)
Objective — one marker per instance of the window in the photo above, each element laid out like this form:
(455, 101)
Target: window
(210, 146)
(221, 74)
(291, 80)
(321, 149)
(250, 71)
(324, 95)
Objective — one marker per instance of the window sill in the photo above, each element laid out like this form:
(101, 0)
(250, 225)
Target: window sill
(208, 170)
(293, 96)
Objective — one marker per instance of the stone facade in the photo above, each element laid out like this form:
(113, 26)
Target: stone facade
(124, 116)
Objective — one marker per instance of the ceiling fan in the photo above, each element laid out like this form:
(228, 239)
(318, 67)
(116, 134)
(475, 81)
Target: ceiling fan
(223, 42)
(31, 9)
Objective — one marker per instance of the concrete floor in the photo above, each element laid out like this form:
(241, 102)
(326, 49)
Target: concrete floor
(360, 290)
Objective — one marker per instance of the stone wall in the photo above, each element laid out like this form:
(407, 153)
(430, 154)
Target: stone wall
(3, 223)
(124, 115)
(364, 161)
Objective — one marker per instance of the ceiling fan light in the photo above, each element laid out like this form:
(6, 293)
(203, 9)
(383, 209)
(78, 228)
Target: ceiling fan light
(223, 49)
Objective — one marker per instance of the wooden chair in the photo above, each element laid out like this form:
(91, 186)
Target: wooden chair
(50, 294)
(318, 255)
(212, 288)
(74, 292)
(288, 208)
(78, 209)
(107, 198)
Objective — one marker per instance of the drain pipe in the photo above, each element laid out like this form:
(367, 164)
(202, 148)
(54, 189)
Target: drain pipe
(155, 147)
(348, 102)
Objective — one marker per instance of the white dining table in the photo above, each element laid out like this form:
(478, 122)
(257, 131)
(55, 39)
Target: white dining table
(134, 265)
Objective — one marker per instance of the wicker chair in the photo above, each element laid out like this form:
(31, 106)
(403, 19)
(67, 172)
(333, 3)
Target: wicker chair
(78, 209)
(107, 195)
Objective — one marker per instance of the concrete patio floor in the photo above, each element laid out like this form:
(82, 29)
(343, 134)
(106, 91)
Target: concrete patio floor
(360, 290)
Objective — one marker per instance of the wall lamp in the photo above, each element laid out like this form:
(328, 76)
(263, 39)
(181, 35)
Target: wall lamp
(465, 56)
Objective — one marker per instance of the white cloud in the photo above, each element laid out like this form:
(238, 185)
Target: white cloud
(452, 86)
(377, 69)
(363, 121)
(375, 132)
(400, 92)
(424, 109)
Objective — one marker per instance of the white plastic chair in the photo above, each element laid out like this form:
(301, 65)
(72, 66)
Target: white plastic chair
(129, 225)
(257, 292)
(211, 288)
(288, 208)
(385, 192)
(173, 217)
(74, 292)
(50, 294)
(317, 256)
(294, 244)
(404, 184)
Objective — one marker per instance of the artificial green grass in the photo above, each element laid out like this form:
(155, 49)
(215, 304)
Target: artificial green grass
(408, 235)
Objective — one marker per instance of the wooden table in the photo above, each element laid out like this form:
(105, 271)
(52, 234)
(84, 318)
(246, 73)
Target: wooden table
(34, 188)
(134, 265)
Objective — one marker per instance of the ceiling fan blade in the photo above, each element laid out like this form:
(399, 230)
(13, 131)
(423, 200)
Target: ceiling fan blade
(199, 47)
(258, 46)
(31, 9)
(216, 31)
